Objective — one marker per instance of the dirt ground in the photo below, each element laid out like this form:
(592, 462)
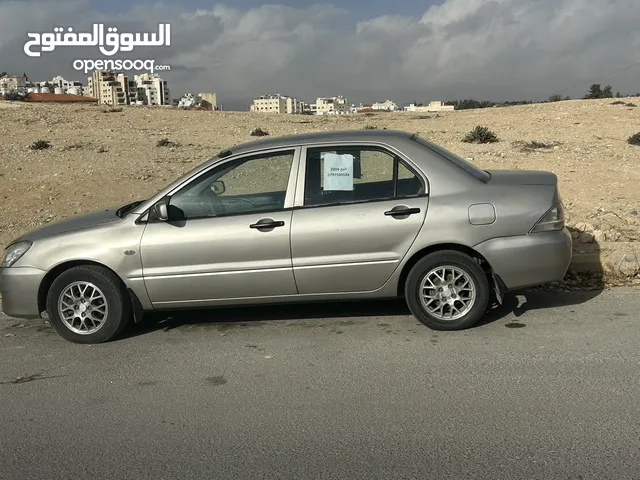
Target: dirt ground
(99, 159)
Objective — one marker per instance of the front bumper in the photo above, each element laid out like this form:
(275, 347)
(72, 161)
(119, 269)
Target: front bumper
(529, 260)
(19, 289)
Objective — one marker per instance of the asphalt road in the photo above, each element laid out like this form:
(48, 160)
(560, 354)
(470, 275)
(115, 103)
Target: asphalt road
(546, 389)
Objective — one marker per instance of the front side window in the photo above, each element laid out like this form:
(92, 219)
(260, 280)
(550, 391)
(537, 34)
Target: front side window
(336, 175)
(245, 185)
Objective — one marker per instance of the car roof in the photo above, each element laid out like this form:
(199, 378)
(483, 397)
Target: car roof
(318, 137)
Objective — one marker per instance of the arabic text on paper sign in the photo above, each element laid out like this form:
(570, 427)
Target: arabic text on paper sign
(338, 172)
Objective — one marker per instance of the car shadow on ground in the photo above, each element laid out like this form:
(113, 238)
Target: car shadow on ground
(575, 289)
(518, 303)
(226, 318)
(515, 305)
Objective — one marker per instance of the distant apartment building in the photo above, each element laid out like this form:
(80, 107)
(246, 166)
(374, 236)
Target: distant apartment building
(13, 83)
(270, 104)
(131, 92)
(188, 100)
(432, 107)
(332, 106)
(59, 86)
(208, 100)
(152, 90)
(363, 107)
(387, 106)
(93, 84)
(115, 88)
(111, 88)
(277, 103)
(294, 105)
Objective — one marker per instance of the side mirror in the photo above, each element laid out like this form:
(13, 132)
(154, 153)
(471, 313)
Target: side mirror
(160, 210)
(218, 187)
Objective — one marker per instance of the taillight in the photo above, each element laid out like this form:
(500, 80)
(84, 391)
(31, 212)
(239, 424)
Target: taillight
(551, 221)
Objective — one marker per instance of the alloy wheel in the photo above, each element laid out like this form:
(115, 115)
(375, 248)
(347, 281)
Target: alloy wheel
(83, 308)
(447, 292)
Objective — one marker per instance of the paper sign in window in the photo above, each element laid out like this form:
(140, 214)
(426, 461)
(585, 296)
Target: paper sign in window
(338, 172)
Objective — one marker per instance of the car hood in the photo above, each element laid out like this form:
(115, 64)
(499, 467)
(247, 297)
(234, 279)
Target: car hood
(66, 225)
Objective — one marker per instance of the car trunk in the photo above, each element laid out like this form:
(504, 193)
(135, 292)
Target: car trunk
(526, 195)
(522, 177)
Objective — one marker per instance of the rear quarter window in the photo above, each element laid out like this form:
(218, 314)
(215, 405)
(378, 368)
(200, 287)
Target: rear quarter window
(453, 158)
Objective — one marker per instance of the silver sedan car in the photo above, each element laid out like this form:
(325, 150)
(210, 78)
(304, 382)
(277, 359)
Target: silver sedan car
(319, 217)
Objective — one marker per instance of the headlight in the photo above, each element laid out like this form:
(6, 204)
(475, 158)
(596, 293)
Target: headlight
(13, 253)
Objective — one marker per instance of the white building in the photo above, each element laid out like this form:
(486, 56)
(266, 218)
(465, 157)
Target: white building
(270, 104)
(332, 106)
(363, 107)
(66, 85)
(58, 85)
(432, 107)
(387, 106)
(152, 90)
(188, 100)
(277, 103)
(77, 90)
(13, 83)
(294, 105)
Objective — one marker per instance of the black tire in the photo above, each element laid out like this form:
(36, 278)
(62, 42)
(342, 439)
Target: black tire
(118, 303)
(465, 264)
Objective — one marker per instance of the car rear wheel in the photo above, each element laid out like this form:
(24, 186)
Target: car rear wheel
(88, 304)
(447, 290)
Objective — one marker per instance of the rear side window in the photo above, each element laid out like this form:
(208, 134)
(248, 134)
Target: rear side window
(336, 175)
(453, 158)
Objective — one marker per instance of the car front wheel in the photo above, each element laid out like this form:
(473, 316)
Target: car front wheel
(88, 304)
(447, 290)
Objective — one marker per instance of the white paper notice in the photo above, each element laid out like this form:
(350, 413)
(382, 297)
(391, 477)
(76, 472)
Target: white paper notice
(338, 172)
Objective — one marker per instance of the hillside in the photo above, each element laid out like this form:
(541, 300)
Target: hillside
(100, 159)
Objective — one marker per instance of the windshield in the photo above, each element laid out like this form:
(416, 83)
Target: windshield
(126, 209)
(452, 157)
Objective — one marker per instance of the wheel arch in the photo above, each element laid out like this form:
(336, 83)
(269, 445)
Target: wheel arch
(59, 269)
(416, 257)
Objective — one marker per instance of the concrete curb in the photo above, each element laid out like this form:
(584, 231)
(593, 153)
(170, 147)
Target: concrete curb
(627, 263)
(586, 262)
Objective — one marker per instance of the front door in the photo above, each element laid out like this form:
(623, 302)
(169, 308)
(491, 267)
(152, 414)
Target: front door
(227, 237)
(361, 210)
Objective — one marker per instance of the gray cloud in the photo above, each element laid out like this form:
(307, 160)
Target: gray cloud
(497, 49)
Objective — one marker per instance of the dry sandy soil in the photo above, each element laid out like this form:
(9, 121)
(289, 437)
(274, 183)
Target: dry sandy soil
(100, 159)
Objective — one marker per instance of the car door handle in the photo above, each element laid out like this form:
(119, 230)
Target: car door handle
(402, 211)
(267, 224)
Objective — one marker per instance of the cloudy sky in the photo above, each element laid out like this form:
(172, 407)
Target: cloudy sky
(368, 50)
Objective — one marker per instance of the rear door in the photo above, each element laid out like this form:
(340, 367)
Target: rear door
(358, 210)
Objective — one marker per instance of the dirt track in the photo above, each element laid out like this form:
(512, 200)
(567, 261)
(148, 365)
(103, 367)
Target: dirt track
(101, 159)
